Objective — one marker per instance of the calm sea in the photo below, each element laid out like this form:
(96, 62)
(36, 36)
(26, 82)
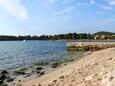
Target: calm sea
(17, 53)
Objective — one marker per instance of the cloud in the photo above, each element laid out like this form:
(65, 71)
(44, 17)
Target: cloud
(67, 1)
(50, 1)
(14, 8)
(92, 1)
(106, 7)
(112, 2)
(82, 4)
(47, 3)
(66, 11)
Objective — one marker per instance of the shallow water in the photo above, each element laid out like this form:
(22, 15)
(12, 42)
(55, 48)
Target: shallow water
(18, 53)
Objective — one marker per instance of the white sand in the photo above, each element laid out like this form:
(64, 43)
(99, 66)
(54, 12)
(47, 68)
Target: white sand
(96, 69)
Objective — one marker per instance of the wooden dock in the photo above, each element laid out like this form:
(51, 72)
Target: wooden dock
(92, 46)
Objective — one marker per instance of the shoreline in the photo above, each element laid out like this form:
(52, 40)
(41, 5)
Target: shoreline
(95, 69)
(39, 69)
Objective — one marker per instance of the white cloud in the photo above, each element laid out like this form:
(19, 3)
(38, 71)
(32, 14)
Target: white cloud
(112, 2)
(46, 3)
(14, 8)
(50, 1)
(67, 1)
(106, 7)
(92, 1)
(66, 11)
(82, 4)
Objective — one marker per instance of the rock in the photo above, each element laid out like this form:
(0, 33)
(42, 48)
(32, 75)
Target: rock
(27, 75)
(61, 77)
(19, 72)
(39, 85)
(1, 81)
(110, 78)
(54, 64)
(42, 73)
(94, 64)
(70, 60)
(2, 77)
(65, 64)
(110, 58)
(38, 72)
(9, 79)
(39, 68)
(55, 81)
(4, 72)
(43, 63)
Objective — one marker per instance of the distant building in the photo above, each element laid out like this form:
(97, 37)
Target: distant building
(103, 36)
(113, 37)
(96, 37)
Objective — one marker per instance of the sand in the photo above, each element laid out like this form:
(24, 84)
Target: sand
(96, 69)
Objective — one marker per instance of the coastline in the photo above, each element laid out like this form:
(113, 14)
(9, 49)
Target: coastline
(39, 69)
(96, 69)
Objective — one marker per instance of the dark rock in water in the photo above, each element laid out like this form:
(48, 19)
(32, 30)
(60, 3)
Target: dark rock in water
(9, 79)
(1, 81)
(4, 72)
(19, 72)
(42, 63)
(38, 72)
(70, 60)
(39, 68)
(54, 64)
(27, 75)
(42, 73)
(2, 77)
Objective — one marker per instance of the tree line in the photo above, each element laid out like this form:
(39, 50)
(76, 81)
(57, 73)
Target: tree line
(47, 37)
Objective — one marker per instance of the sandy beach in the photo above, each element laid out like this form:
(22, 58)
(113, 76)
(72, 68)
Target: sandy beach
(96, 69)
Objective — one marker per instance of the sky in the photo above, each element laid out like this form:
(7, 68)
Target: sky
(37, 17)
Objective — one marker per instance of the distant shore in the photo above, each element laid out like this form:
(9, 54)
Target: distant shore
(96, 69)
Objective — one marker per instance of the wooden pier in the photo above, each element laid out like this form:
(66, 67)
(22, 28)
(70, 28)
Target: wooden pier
(92, 46)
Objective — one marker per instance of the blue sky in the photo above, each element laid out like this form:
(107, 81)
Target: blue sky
(37, 17)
